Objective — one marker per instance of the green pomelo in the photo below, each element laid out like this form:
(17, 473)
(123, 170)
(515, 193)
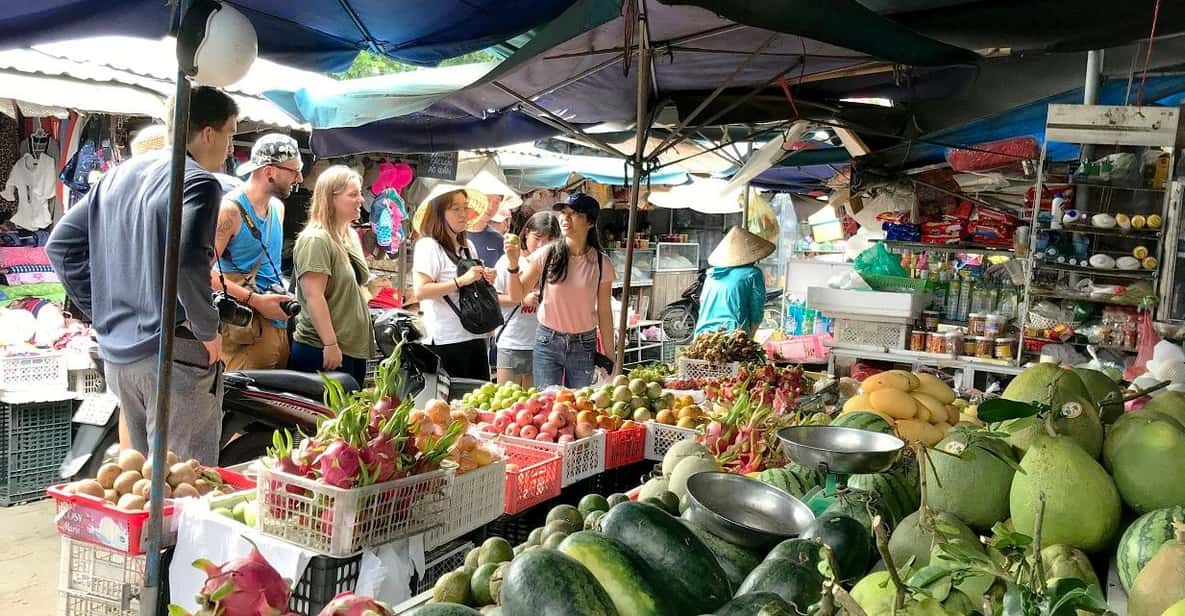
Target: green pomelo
(1081, 502)
(1148, 464)
(1063, 561)
(910, 540)
(495, 550)
(1161, 582)
(1105, 393)
(1171, 403)
(974, 486)
(1051, 385)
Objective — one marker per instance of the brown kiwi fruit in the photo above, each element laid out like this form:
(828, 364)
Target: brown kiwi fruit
(107, 475)
(89, 487)
(126, 481)
(185, 490)
(131, 460)
(111, 496)
(131, 502)
(180, 473)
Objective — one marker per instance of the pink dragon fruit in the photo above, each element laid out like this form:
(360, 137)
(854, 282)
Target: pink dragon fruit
(246, 586)
(350, 604)
(340, 464)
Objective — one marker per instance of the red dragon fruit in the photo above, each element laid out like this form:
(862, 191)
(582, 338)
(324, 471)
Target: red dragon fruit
(340, 464)
(350, 604)
(246, 586)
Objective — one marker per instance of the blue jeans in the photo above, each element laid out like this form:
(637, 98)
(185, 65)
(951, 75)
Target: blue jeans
(306, 358)
(564, 359)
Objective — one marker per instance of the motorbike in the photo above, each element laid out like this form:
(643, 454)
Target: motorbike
(679, 317)
(256, 403)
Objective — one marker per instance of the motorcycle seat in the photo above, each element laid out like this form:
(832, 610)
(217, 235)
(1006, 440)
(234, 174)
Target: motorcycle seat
(304, 384)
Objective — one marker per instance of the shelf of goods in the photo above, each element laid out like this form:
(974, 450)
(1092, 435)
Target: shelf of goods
(1102, 226)
(948, 248)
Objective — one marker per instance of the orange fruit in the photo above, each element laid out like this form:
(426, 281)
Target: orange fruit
(584, 404)
(686, 422)
(605, 422)
(586, 417)
(565, 395)
(666, 417)
(689, 411)
(627, 424)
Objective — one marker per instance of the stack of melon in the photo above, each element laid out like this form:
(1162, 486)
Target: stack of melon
(918, 406)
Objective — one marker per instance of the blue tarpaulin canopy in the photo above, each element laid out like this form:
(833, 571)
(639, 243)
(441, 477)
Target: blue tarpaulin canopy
(570, 72)
(312, 34)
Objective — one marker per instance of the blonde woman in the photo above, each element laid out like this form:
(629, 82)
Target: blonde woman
(333, 330)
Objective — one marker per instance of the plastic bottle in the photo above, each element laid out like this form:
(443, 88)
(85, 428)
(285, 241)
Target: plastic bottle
(1055, 217)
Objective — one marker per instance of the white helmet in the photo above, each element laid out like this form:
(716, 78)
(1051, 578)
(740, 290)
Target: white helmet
(216, 44)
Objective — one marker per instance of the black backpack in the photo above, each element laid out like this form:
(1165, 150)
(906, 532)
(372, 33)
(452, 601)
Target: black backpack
(479, 311)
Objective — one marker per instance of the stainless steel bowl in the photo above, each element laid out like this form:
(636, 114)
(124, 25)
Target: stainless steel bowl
(744, 511)
(848, 451)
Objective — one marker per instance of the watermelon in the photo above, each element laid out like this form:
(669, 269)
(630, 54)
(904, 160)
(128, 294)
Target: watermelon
(550, 583)
(863, 421)
(621, 573)
(736, 561)
(802, 551)
(792, 479)
(444, 609)
(794, 583)
(849, 541)
(763, 603)
(679, 562)
(1141, 541)
(896, 490)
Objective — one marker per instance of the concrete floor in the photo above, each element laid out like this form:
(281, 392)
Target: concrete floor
(29, 554)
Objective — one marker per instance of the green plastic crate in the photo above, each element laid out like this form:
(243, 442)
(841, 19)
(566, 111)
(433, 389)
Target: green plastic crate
(899, 284)
(34, 439)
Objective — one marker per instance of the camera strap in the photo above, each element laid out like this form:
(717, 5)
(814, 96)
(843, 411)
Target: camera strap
(255, 233)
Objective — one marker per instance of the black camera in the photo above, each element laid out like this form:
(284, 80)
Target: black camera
(230, 311)
(290, 306)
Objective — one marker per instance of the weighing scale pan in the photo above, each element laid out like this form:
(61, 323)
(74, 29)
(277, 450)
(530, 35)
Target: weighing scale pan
(744, 511)
(845, 451)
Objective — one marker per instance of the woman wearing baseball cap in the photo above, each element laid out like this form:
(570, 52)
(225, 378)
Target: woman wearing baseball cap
(576, 280)
(734, 289)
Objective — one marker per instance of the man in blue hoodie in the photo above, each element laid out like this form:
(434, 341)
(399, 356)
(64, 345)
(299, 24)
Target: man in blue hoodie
(109, 251)
(733, 296)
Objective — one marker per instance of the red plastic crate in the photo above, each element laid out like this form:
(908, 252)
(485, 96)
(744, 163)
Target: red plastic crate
(532, 477)
(812, 348)
(98, 522)
(625, 446)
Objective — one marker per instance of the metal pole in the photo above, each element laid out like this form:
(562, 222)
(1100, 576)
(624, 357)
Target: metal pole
(1094, 70)
(164, 358)
(153, 577)
(642, 119)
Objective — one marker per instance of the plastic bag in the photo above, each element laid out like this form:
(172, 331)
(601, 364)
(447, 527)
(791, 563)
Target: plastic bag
(763, 221)
(1146, 348)
(879, 261)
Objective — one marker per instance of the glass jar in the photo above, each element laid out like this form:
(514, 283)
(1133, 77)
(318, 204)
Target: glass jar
(917, 340)
(1004, 347)
(976, 321)
(936, 343)
(994, 325)
(985, 347)
(954, 343)
(930, 320)
(969, 345)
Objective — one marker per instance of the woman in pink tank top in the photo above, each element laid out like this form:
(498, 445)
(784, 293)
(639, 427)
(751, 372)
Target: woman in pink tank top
(576, 280)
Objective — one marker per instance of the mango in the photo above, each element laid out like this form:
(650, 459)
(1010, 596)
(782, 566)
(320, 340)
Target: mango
(894, 402)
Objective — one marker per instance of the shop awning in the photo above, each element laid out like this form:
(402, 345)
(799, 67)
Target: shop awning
(130, 76)
(318, 35)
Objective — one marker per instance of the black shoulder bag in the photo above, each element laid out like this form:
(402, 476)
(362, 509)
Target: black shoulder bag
(479, 310)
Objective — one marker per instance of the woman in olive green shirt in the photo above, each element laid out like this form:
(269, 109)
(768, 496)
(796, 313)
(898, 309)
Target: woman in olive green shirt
(333, 330)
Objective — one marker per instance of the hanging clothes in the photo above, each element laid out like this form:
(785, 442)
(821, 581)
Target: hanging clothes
(386, 217)
(33, 180)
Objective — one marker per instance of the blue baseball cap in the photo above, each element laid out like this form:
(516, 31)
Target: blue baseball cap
(581, 204)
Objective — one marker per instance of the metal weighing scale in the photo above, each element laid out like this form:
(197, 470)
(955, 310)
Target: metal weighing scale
(838, 453)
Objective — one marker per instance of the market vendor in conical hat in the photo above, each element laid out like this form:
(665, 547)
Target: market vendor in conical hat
(733, 296)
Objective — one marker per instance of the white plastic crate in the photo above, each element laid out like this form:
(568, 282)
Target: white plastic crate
(35, 371)
(660, 437)
(87, 381)
(701, 369)
(79, 604)
(876, 304)
(108, 576)
(581, 458)
(869, 334)
(477, 498)
(342, 522)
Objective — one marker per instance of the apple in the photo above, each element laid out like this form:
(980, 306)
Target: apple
(540, 419)
(523, 418)
(511, 430)
(559, 418)
(501, 421)
(564, 438)
(529, 432)
(584, 429)
(546, 437)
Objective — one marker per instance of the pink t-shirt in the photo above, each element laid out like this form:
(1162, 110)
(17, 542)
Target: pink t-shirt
(570, 306)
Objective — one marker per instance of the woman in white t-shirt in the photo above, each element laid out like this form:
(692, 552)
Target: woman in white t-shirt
(516, 339)
(462, 353)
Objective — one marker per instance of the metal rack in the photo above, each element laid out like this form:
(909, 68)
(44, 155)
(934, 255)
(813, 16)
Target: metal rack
(1102, 130)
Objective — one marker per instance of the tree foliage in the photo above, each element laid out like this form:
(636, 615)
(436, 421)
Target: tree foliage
(368, 64)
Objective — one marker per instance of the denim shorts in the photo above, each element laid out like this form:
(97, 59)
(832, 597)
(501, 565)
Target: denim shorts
(518, 362)
(564, 359)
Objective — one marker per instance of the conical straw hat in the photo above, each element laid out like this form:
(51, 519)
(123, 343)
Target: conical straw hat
(740, 247)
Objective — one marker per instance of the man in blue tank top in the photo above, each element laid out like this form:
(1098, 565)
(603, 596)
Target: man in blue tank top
(248, 243)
